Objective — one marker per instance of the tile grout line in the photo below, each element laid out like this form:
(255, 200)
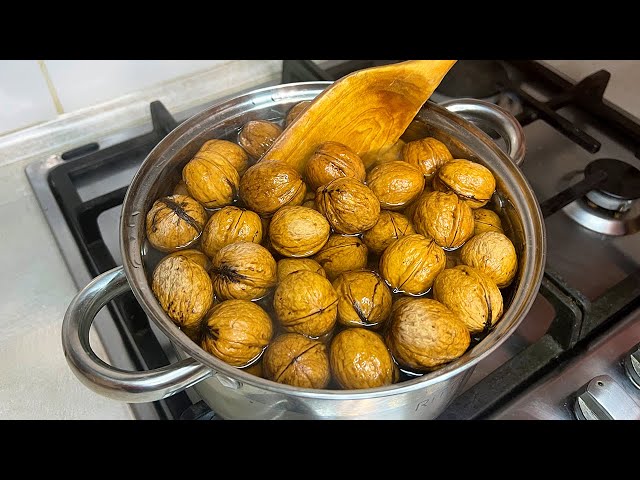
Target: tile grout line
(52, 89)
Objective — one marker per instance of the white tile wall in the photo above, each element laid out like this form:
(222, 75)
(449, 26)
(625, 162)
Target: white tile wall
(24, 96)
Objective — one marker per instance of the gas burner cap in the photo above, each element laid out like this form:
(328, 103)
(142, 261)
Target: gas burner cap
(621, 188)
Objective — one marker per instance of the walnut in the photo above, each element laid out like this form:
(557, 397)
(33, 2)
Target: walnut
(360, 359)
(231, 152)
(389, 227)
(257, 136)
(471, 181)
(387, 154)
(194, 255)
(471, 295)
(269, 185)
(181, 189)
(230, 225)
(428, 154)
(174, 222)
(444, 217)
(243, 270)
(183, 289)
(424, 334)
(296, 110)
(310, 200)
(411, 264)
(305, 302)
(331, 160)
(298, 231)
(290, 265)
(294, 359)
(211, 180)
(340, 254)
(486, 221)
(236, 332)
(494, 255)
(364, 300)
(396, 184)
(350, 206)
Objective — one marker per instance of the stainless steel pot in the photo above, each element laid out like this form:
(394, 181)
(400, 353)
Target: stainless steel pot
(235, 394)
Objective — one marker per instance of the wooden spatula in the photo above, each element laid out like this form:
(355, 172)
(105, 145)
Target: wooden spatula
(367, 110)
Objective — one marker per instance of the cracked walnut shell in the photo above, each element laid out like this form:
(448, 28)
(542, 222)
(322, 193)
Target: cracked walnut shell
(331, 160)
(298, 231)
(293, 359)
(471, 295)
(471, 181)
(174, 222)
(257, 136)
(211, 180)
(340, 254)
(424, 334)
(395, 183)
(428, 154)
(230, 225)
(236, 332)
(389, 227)
(493, 254)
(350, 206)
(364, 300)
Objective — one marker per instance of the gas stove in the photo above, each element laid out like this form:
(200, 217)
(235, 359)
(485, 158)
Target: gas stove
(576, 355)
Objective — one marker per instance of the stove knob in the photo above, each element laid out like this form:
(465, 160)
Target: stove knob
(632, 367)
(604, 399)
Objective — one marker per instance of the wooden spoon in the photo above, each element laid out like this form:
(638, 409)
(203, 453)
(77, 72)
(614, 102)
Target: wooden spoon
(367, 110)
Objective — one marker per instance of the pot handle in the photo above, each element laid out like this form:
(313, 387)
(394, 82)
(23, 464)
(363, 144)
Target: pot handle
(111, 382)
(484, 113)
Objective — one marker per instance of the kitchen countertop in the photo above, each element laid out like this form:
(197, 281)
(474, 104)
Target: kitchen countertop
(35, 380)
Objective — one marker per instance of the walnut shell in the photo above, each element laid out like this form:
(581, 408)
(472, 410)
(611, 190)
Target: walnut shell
(236, 332)
(211, 180)
(230, 225)
(428, 154)
(486, 221)
(389, 227)
(444, 217)
(290, 265)
(305, 302)
(471, 295)
(340, 254)
(194, 255)
(471, 181)
(331, 160)
(424, 334)
(180, 188)
(494, 255)
(230, 151)
(360, 359)
(269, 185)
(298, 231)
(350, 206)
(183, 289)
(294, 359)
(411, 264)
(257, 136)
(296, 110)
(396, 184)
(387, 154)
(243, 270)
(174, 222)
(364, 300)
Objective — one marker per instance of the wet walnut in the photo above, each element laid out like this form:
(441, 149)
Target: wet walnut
(331, 160)
(269, 185)
(341, 254)
(236, 332)
(310, 200)
(428, 154)
(305, 302)
(364, 300)
(360, 359)
(194, 255)
(183, 289)
(230, 225)
(445, 217)
(396, 184)
(494, 255)
(411, 264)
(424, 334)
(230, 151)
(298, 231)
(296, 360)
(174, 222)
(211, 180)
(290, 265)
(471, 181)
(350, 206)
(486, 221)
(257, 136)
(389, 227)
(243, 270)
(389, 153)
(471, 295)
(295, 111)
(181, 189)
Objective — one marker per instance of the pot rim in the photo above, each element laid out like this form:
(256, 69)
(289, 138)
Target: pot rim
(132, 225)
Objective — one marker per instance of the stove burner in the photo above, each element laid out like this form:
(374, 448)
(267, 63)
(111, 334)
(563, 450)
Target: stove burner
(474, 78)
